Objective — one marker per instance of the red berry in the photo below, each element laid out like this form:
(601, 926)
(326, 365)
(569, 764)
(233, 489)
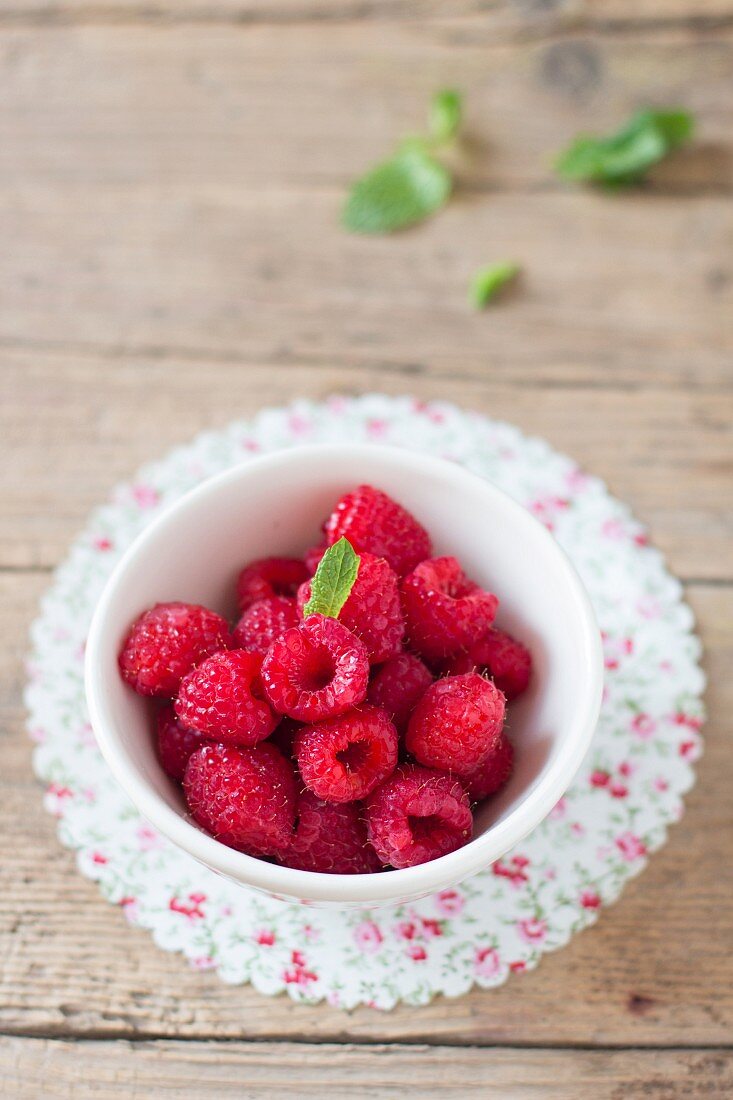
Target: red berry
(330, 838)
(417, 815)
(166, 642)
(506, 660)
(263, 622)
(343, 759)
(316, 670)
(268, 577)
(372, 610)
(398, 685)
(175, 743)
(312, 557)
(490, 776)
(376, 524)
(243, 797)
(223, 699)
(456, 724)
(444, 610)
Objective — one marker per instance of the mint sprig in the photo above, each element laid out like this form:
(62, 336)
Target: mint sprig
(487, 282)
(337, 571)
(623, 158)
(412, 184)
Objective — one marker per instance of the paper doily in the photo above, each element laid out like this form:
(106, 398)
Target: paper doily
(502, 920)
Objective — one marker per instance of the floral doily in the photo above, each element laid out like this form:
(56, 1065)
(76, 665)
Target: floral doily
(552, 885)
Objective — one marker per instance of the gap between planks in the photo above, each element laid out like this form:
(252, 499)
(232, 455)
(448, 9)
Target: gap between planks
(230, 358)
(258, 1070)
(169, 13)
(136, 1037)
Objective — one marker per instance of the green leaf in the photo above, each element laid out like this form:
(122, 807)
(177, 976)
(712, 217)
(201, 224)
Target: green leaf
(445, 115)
(624, 157)
(487, 282)
(334, 579)
(676, 126)
(399, 192)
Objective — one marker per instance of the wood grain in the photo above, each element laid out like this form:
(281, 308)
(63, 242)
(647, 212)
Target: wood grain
(269, 277)
(188, 186)
(668, 451)
(172, 177)
(652, 972)
(253, 1070)
(501, 16)
(239, 107)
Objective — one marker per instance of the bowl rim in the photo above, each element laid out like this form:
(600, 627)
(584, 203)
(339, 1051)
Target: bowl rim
(367, 889)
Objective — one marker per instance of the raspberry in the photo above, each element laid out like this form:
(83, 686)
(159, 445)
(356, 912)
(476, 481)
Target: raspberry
(456, 724)
(330, 838)
(398, 686)
(263, 622)
(223, 699)
(175, 743)
(491, 776)
(376, 524)
(444, 610)
(417, 815)
(372, 610)
(344, 758)
(316, 670)
(166, 642)
(268, 577)
(243, 797)
(506, 660)
(312, 557)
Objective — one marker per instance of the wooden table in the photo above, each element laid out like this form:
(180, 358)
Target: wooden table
(171, 176)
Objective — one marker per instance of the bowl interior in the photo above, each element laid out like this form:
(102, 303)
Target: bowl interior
(276, 506)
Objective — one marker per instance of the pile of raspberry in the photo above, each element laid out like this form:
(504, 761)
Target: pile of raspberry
(344, 743)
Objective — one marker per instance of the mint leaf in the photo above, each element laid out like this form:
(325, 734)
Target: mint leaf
(399, 192)
(412, 184)
(624, 157)
(487, 282)
(445, 115)
(676, 126)
(334, 579)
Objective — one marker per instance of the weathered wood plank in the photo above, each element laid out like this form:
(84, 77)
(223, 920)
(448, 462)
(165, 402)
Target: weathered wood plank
(629, 291)
(652, 972)
(172, 258)
(252, 1070)
(72, 425)
(265, 107)
(182, 181)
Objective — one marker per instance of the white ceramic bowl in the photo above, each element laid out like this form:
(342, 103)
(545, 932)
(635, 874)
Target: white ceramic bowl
(274, 505)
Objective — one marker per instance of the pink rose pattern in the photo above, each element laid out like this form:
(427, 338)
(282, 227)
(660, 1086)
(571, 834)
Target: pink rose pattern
(532, 929)
(368, 937)
(486, 962)
(502, 920)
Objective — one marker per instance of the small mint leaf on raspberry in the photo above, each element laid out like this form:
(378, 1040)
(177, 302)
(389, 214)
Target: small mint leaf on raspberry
(333, 581)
